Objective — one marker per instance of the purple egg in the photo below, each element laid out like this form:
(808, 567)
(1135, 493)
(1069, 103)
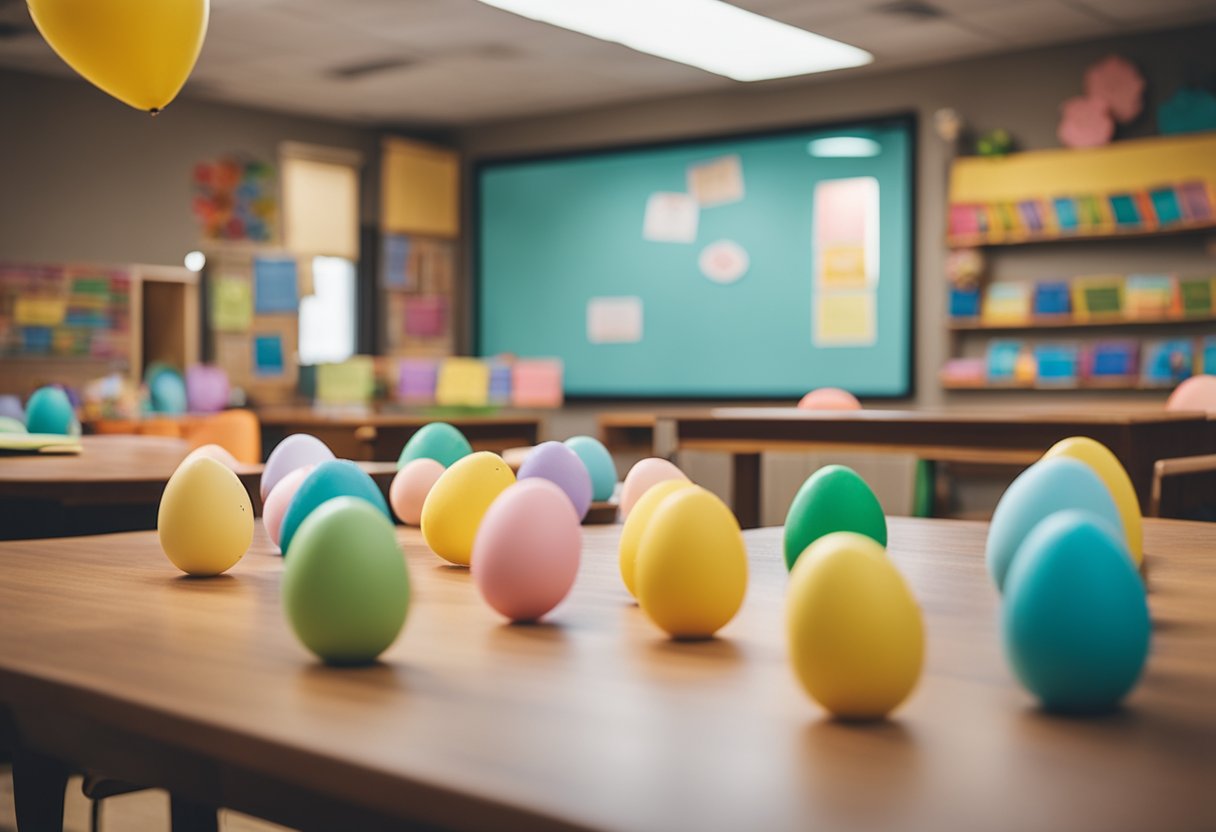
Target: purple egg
(294, 452)
(555, 462)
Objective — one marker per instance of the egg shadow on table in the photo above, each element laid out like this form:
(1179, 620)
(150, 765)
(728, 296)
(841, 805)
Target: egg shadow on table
(198, 584)
(379, 679)
(510, 634)
(723, 652)
(840, 751)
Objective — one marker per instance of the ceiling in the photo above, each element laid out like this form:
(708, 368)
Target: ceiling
(458, 62)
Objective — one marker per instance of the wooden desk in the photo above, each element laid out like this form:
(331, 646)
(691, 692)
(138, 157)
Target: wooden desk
(1019, 438)
(114, 662)
(363, 434)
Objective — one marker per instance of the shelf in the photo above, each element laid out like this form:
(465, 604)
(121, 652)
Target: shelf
(977, 240)
(1087, 385)
(1069, 322)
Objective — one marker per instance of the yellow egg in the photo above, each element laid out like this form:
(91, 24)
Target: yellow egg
(691, 569)
(1106, 465)
(856, 638)
(458, 500)
(636, 523)
(205, 521)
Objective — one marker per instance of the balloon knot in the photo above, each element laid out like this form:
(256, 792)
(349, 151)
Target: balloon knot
(154, 112)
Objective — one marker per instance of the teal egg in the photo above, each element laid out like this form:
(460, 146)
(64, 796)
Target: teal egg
(833, 499)
(1075, 619)
(599, 464)
(10, 425)
(1044, 488)
(438, 441)
(346, 589)
(50, 411)
(332, 478)
(167, 390)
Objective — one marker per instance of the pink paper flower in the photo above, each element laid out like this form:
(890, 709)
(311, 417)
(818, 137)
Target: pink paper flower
(1116, 81)
(1085, 122)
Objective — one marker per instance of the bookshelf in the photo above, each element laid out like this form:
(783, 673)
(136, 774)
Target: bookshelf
(1065, 322)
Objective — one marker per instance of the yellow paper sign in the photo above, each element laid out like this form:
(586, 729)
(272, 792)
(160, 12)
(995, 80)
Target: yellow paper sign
(844, 267)
(39, 311)
(845, 319)
(351, 382)
(463, 382)
(232, 304)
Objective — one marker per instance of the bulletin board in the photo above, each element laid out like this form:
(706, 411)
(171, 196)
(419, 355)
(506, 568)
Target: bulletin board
(751, 266)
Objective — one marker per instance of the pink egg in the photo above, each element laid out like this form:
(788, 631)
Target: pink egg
(279, 498)
(216, 452)
(829, 398)
(527, 550)
(642, 476)
(410, 487)
(294, 452)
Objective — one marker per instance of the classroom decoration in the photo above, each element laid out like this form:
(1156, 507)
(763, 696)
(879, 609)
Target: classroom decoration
(463, 382)
(829, 398)
(948, 124)
(855, 631)
(537, 383)
(965, 267)
(417, 279)
(691, 569)
(438, 441)
(1187, 111)
(166, 390)
(352, 381)
(276, 503)
(50, 411)
(139, 51)
(294, 452)
(1167, 362)
(329, 479)
(65, 311)
(994, 143)
(600, 465)
(560, 465)
(1048, 486)
(526, 553)
(1075, 617)
(458, 501)
(642, 477)
(410, 487)
(236, 199)
(1085, 122)
(1107, 466)
(207, 388)
(346, 589)
(205, 519)
(833, 499)
(1117, 83)
(217, 452)
(637, 523)
(275, 285)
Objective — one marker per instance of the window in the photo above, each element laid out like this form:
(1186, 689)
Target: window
(327, 316)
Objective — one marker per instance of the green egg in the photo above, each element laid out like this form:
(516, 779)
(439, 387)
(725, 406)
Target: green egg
(345, 587)
(833, 499)
(438, 441)
(50, 411)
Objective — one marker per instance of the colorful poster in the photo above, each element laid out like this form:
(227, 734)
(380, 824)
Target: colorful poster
(845, 319)
(724, 261)
(718, 181)
(268, 356)
(463, 382)
(614, 320)
(426, 316)
(231, 304)
(236, 199)
(351, 382)
(275, 286)
(671, 218)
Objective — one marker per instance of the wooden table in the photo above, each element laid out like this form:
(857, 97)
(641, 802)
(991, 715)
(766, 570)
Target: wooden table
(114, 662)
(1014, 437)
(362, 434)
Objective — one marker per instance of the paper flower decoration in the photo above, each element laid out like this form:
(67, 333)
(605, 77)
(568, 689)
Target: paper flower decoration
(1116, 81)
(1085, 122)
(1187, 111)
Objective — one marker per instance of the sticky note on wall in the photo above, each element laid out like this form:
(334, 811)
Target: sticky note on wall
(537, 383)
(463, 382)
(351, 382)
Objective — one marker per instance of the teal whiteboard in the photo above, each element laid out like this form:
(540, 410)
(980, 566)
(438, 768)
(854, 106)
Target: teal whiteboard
(553, 235)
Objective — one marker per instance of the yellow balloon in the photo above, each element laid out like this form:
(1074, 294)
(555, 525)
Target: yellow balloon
(1106, 465)
(139, 51)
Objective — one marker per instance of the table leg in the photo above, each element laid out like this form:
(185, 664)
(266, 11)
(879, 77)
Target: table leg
(39, 784)
(187, 816)
(745, 490)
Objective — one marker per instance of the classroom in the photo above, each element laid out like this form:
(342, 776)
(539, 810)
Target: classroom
(607, 415)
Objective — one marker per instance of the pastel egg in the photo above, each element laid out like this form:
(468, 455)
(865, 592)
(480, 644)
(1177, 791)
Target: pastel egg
(642, 476)
(49, 410)
(216, 452)
(294, 452)
(438, 441)
(1075, 618)
(829, 398)
(346, 589)
(1044, 488)
(600, 466)
(274, 509)
(1108, 468)
(560, 465)
(833, 499)
(526, 554)
(856, 637)
(410, 486)
(329, 479)
(10, 425)
(639, 519)
(205, 519)
(457, 502)
(691, 569)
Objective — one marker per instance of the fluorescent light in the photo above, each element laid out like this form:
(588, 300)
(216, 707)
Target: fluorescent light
(843, 147)
(707, 34)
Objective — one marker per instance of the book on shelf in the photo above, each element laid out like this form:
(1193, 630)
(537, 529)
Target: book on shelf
(1151, 296)
(1111, 360)
(1097, 297)
(965, 372)
(1207, 355)
(1195, 296)
(1057, 365)
(1167, 362)
(1006, 302)
(1052, 297)
(1004, 361)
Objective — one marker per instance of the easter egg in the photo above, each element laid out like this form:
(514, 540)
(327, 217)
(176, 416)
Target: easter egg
(639, 519)
(1075, 619)
(216, 452)
(1108, 468)
(205, 520)
(438, 441)
(833, 499)
(50, 411)
(856, 638)
(599, 464)
(691, 569)
(560, 465)
(294, 452)
(274, 509)
(642, 476)
(332, 478)
(457, 502)
(410, 486)
(346, 590)
(10, 425)
(1044, 488)
(526, 553)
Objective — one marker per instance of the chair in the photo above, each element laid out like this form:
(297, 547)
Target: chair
(239, 432)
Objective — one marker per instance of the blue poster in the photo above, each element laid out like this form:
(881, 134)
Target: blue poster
(268, 356)
(396, 258)
(274, 286)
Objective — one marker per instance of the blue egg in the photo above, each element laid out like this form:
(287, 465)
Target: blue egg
(1044, 488)
(1075, 620)
(332, 478)
(50, 411)
(167, 391)
(599, 464)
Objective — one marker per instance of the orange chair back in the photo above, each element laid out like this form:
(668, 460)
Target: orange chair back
(239, 432)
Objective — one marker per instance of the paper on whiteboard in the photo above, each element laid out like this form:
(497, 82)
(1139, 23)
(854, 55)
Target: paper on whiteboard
(671, 218)
(845, 319)
(614, 320)
(724, 261)
(845, 233)
(717, 181)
